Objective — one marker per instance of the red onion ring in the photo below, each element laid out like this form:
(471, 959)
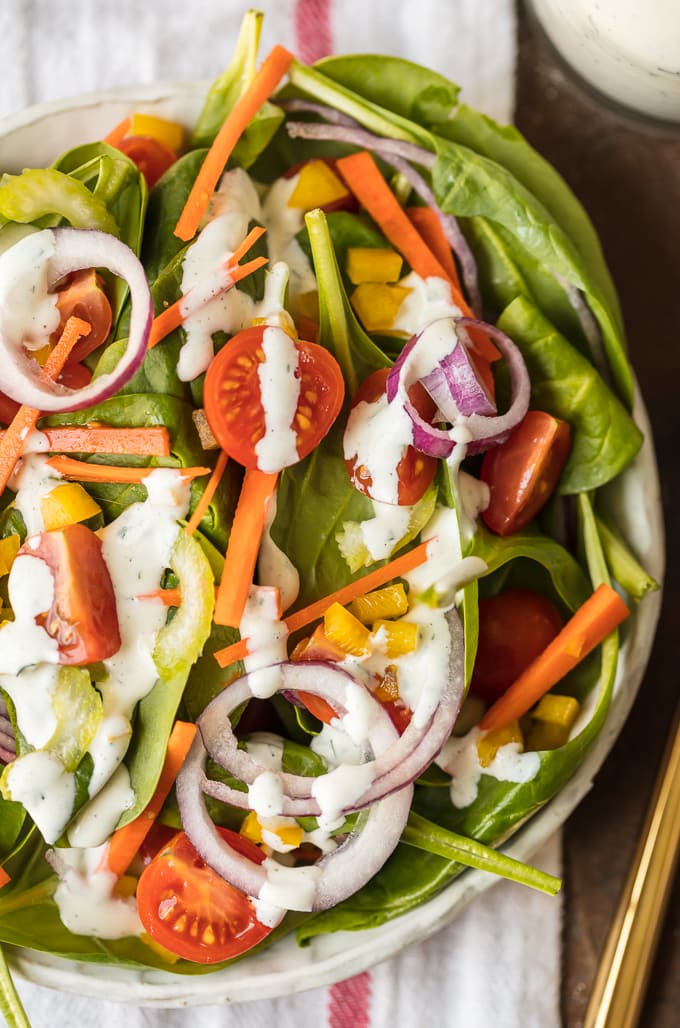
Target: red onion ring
(68, 250)
(335, 877)
(484, 431)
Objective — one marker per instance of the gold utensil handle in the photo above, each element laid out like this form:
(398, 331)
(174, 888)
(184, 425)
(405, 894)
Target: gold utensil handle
(619, 987)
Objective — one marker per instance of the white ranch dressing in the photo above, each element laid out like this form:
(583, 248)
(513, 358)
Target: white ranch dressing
(38, 781)
(445, 569)
(279, 395)
(460, 758)
(22, 641)
(265, 794)
(274, 567)
(266, 749)
(382, 532)
(283, 224)
(32, 692)
(97, 820)
(28, 313)
(429, 298)
(136, 547)
(33, 479)
(375, 437)
(289, 888)
(86, 899)
(266, 634)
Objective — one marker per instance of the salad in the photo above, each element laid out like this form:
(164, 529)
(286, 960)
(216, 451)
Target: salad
(311, 591)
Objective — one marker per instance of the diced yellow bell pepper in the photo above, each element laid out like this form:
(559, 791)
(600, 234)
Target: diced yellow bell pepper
(289, 834)
(317, 186)
(389, 602)
(377, 304)
(372, 264)
(67, 504)
(41, 355)
(9, 547)
(308, 305)
(397, 637)
(126, 886)
(167, 132)
(490, 743)
(346, 631)
(160, 951)
(552, 721)
(388, 689)
(559, 710)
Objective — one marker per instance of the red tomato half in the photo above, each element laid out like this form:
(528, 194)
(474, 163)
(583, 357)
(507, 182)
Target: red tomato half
(188, 908)
(152, 157)
(416, 470)
(8, 408)
(233, 405)
(83, 617)
(514, 627)
(84, 297)
(523, 471)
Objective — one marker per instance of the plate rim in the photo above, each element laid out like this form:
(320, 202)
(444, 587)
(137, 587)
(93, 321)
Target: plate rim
(321, 963)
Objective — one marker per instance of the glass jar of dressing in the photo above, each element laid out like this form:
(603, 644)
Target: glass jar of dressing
(626, 49)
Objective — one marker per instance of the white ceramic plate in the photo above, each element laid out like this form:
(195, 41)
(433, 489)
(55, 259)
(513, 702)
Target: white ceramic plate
(34, 139)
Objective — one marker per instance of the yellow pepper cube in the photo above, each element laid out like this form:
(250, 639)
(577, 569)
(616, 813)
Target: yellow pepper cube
(67, 504)
(490, 743)
(289, 834)
(308, 305)
(9, 547)
(389, 602)
(396, 637)
(558, 710)
(377, 304)
(546, 735)
(346, 631)
(317, 186)
(167, 132)
(372, 264)
(251, 827)
(388, 687)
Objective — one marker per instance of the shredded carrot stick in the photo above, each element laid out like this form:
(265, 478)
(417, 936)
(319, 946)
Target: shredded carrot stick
(26, 418)
(244, 545)
(246, 244)
(84, 471)
(125, 842)
(118, 133)
(153, 441)
(586, 629)
(373, 580)
(208, 493)
(4, 877)
(425, 220)
(172, 317)
(273, 68)
(168, 597)
(363, 177)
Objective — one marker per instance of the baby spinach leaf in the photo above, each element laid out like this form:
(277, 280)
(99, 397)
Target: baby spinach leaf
(167, 199)
(564, 383)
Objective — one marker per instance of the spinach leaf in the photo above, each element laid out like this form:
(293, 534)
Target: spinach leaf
(563, 382)
(467, 184)
(160, 245)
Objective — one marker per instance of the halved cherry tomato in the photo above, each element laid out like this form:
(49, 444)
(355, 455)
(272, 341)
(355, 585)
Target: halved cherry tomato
(514, 627)
(82, 617)
(75, 375)
(415, 470)
(8, 409)
(523, 471)
(83, 297)
(152, 157)
(188, 908)
(233, 404)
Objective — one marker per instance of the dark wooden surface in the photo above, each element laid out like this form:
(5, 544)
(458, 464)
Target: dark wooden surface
(627, 174)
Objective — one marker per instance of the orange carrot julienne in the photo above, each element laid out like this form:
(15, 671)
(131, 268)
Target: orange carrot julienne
(84, 471)
(26, 418)
(208, 493)
(118, 132)
(4, 877)
(363, 177)
(125, 842)
(243, 546)
(153, 441)
(172, 317)
(602, 612)
(373, 580)
(425, 220)
(168, 597)
(273, 68)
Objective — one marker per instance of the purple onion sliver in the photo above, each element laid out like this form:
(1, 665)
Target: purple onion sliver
(74, 249)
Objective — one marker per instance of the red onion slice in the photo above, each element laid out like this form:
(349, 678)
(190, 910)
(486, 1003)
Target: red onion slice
(478, 429)
(66, 250)
(336, 876)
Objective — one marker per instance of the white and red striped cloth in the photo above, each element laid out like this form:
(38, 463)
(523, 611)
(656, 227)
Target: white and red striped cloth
(499, 962)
